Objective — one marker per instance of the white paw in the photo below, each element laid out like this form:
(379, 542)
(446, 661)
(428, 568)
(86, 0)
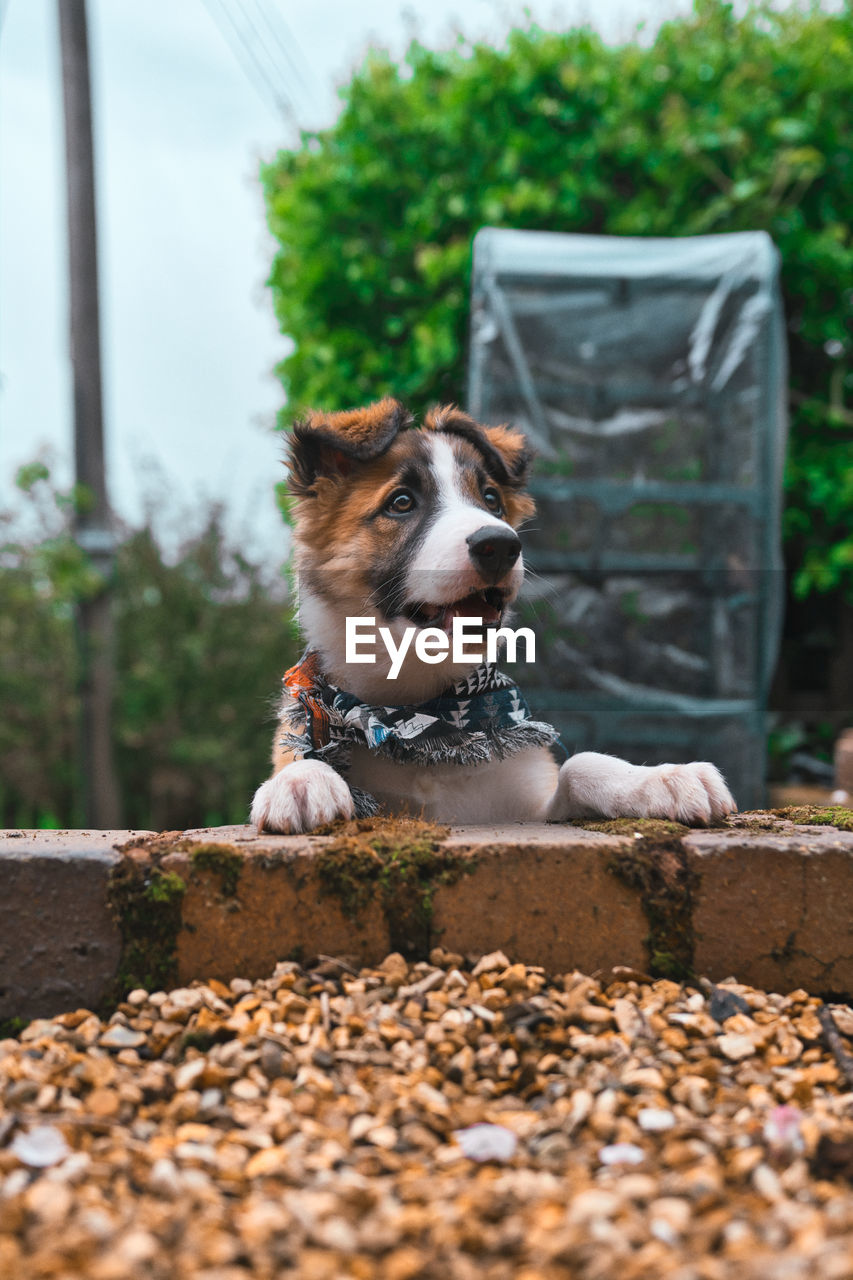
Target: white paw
(601, 786)
(301, 796)
(695, 794)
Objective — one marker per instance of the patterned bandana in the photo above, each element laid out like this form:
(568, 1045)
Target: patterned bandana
(481, 717)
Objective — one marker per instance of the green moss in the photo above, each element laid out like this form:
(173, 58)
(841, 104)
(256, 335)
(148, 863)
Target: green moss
(648, 828)
(756, 820)
(400, 863)
(11, 1028)
(164, 886)
(666, 965)
(808, 815)
(656, 866)
(146, 902)
(223, 860)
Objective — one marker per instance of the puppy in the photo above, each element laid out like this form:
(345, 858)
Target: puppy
(415, 528)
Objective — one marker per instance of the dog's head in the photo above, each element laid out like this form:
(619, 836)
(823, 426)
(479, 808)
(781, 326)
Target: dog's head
(411, 525)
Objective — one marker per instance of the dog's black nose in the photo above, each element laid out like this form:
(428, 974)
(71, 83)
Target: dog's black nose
(493, 550)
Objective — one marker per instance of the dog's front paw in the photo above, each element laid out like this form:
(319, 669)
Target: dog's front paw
(592, 785)
(301, 796)
(695, 794)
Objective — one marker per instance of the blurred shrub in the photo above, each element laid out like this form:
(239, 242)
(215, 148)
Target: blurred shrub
(724, 123)
(202, 639)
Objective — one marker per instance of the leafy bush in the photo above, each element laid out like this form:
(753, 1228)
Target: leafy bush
(725, 123)
(202, 638)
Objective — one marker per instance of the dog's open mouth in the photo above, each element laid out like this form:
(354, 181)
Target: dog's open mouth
(487, 604)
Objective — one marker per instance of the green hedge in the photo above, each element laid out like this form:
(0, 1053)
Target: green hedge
(725, 123)
(201, 639)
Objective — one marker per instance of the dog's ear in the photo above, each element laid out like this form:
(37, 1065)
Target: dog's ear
(330, 444)
(504, 448)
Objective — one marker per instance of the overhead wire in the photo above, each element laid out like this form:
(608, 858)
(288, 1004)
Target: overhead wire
(283, 38)
(257, 41)
(250, 56)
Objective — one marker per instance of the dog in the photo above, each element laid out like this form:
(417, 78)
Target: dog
(416, 527)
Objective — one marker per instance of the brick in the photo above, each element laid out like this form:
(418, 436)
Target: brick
(774, 910)
(279, 911)
(543, 895)
(59, 943)
(766, 901)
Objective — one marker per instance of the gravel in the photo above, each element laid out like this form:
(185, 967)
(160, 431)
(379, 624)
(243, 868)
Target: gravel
(466, 1117)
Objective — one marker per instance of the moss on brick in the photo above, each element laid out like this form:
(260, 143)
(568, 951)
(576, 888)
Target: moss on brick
(809, 815)
(399, 861)
(655, 864)
(146, 902)
(648, 828)
(222, 859)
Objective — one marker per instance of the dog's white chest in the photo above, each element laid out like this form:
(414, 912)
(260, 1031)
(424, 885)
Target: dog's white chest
(515, 789)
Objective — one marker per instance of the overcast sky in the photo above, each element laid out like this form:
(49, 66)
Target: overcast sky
(183, 118)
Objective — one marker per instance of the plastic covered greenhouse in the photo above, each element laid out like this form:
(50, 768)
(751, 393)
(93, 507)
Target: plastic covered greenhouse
(649, 375)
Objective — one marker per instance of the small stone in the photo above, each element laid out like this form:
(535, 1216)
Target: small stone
(337, 1234)
(767, 1184)
(693, 1092)
(513, 978)
(735, 1047)
(629, 1023)
(430, 1099)
(482, 1142)
(640, 1187)
(725, 1004)
(594, 1203)
(186, 998)
(655, 1119)
(74, 1169)
(135, 1248)
(270, 1160)
(383, 1135)
(164, 1179)
(103, 1103)
(842, 1014)
(120, 1037)
(491, 963)
(360, 1127)
(272, 1060)
(644, 1078)
(405, 1263)
(40, 1147)
(245, 1090)
(676, 1213)
(49, 1202)
(189, 1073)
(394, 969)
(622, 1153)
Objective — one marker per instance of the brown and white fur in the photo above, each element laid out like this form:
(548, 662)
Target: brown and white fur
(384, 515)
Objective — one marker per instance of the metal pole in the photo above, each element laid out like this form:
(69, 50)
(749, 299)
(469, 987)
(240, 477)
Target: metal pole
(93, 525)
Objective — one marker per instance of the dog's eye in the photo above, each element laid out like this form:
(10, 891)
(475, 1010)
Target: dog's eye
(492, 499)
(401, 501)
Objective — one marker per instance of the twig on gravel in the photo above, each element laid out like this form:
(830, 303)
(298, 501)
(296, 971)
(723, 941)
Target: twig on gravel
(338, 963)
(832, 1037)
